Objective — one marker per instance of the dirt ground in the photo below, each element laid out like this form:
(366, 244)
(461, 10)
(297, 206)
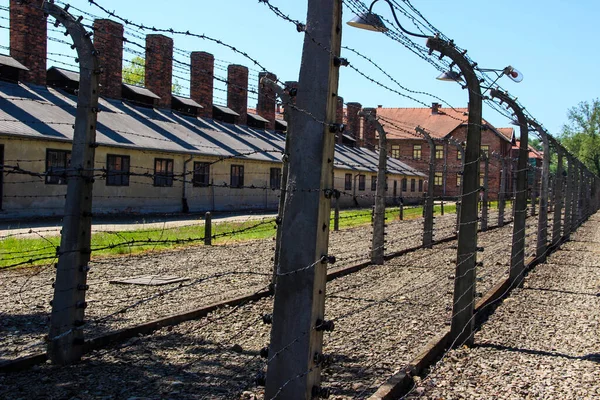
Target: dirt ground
(384, 315)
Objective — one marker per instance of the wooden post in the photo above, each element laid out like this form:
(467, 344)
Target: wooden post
(517, 261)
(485, 206)
(65, 342)
(378, 216)
(293, 371)
(461, 331)
(401, 209)
(542, 233)
(557, 193)
(208, 229)
(429, 199)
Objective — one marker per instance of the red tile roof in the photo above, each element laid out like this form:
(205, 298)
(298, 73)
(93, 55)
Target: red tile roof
(400, 123)
(507, 132)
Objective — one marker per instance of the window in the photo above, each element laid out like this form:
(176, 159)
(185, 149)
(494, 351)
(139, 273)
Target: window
(438, 179)
(117, 170)
(163, 172)
(416, 152)
(458, 179)
(420, 185)
(275, 178)
(481, 179)
(201, 174)
(373, 183)
(404, 184)
(362, 182)
(348, 182)
(57, 162)
(395, 151)
(459, 153)
(413, 185)
(439, 152)
(486, 150)
(237, 176)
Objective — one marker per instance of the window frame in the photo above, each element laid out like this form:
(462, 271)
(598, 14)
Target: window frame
(413, 184)
(164, 178)
(362, 182)
(395, 151)
(486, 149)
(347, 181)
(122, 175)
(275, 178)
(420, 185)
(404, 184)
(236, 176)
(201, 174)
(438, 179)
(458, 179)
(417, 152)
(439, 151)
(57, 177)
(373, 183)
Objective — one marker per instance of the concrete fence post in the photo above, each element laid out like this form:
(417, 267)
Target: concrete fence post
(429, 199)
(208, 229)
(65, 342)
(485, 188)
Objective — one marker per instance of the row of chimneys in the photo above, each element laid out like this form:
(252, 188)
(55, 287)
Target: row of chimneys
(28, 45)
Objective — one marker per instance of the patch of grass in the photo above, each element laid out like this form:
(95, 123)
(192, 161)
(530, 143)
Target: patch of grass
(16, 251)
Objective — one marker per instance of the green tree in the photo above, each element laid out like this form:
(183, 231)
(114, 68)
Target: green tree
(581, 135)
(135, 74)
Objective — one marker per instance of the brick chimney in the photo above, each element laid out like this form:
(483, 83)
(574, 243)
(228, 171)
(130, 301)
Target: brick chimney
(237, 91)
(159, 67)
(353, 128)
(28, 38)
(266, 99)
(369, 130)
(202, 81)
(339, 117)
(108, 41)
(435, 108)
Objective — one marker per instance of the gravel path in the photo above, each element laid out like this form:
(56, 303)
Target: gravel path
(384, 316)
(543, 342)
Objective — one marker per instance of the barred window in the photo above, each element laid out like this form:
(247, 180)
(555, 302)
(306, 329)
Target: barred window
(163, 172)
(362, 182)
(237, 176)
(57, 162)
(117, 170)
(348, 182)
(201, 174)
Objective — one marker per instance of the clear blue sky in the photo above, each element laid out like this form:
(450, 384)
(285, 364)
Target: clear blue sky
(550, 41)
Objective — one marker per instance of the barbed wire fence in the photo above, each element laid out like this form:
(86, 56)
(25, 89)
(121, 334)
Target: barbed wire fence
(356, 355)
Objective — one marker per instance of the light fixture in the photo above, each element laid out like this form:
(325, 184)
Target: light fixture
(513, 74)
(372, 22)
(368, 21)
(450, 76)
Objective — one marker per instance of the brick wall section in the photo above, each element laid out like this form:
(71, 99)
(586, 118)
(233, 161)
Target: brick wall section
(266, 99)
(453, 163)
(237, 91)
(369, 130)
(108, 41)
(353, 128)
(202, 81)
(339, 117)
(28, 38)
(159, 67)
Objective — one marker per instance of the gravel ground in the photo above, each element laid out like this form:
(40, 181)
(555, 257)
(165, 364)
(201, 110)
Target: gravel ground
(384, 316)
(543, 342)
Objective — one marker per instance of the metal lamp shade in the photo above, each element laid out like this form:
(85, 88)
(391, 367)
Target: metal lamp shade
(368, 21)
(449, 76)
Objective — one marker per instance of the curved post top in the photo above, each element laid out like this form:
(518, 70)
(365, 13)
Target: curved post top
(449, 50)
(372, 118)
(504, 97)
(81, 38)
(279, 91)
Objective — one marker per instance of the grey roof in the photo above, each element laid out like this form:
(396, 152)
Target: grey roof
(121, 124)
(142, 91)
(226, 110)
(187, 101)
(11, 62)
(282, 122)
(351, 138)
(65, 73)
(258, 118)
